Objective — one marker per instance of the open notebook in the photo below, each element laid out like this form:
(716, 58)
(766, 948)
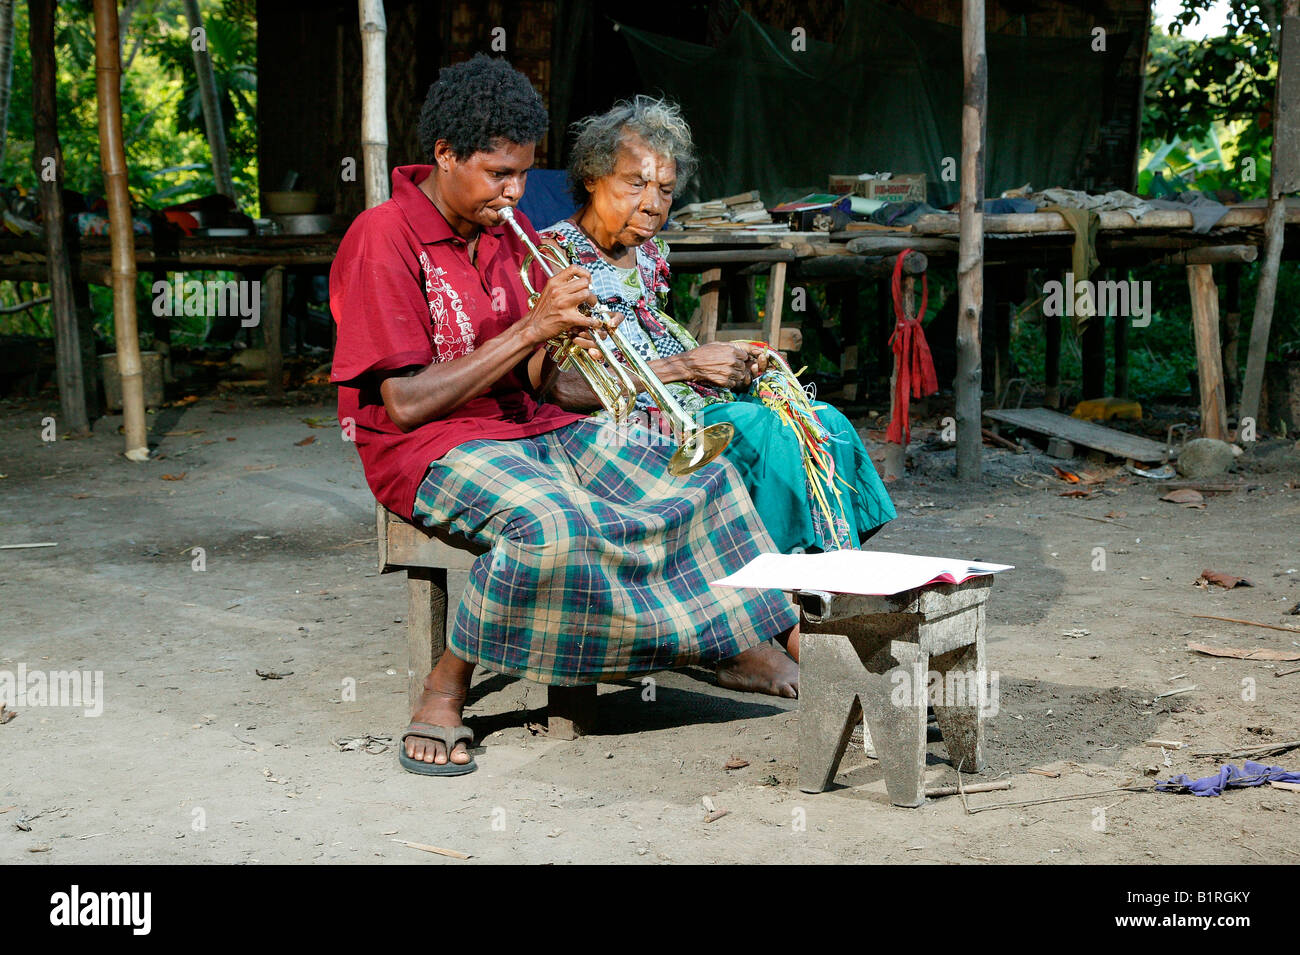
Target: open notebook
(869, 572)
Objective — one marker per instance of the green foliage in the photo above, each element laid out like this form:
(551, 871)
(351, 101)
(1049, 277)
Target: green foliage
(1209, 102)
(168, 158)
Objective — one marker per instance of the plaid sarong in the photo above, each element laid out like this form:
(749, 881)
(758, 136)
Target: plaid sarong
(600, 560)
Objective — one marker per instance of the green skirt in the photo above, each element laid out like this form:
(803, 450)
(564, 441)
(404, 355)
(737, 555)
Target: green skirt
(766, 453)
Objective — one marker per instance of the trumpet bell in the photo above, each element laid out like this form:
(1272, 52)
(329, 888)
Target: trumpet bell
(700, 448)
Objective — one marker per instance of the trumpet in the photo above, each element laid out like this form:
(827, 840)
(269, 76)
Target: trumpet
(617, 383)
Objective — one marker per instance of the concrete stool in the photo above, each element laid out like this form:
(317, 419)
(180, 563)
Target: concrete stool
(428, 554)
(878, 655)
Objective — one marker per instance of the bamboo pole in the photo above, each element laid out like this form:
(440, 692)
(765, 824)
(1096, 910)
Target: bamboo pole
(70, 371)
(970, 254)
(1284, 177)
(211, 105)
(112, 158)
(374, 118)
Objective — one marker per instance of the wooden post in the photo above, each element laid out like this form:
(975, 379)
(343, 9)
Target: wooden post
(273, 327)
(1092, 347)
(112, 157)
(1209, 355)
(1121, 353)
(1002, 344)
(6, 70)
(775, 303)
(211, 105)
(374, 115)
(1052, 359)
(1284, 177)
(710, 292)
(1231, 332)
(970, 254)
(850, 333)
(426, 626)
(896, 454)
(47, 164)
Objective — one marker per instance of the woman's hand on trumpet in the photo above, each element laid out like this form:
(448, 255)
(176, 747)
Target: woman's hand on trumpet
(556, 311)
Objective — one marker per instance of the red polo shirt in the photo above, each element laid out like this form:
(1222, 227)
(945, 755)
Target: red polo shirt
(404, 293)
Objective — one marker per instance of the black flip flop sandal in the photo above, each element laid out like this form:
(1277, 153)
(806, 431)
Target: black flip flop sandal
(449, 736)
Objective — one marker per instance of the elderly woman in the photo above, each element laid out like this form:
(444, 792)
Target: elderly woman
(599, 561)
(807, 473)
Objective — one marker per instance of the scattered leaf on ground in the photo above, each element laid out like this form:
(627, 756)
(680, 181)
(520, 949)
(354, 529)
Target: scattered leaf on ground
(735, 763)
(310, 439)
(1077, 492)
(182, 434)
(258, 467)
(1185, 496)
(320, 422)
(272, 674)
(175, 477)
(1065, 475)
(6, 714)
(1226, 581)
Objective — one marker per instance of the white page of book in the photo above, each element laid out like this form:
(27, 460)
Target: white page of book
(870, 572)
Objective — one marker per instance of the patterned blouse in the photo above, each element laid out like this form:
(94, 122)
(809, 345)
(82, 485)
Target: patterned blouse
(636, 293)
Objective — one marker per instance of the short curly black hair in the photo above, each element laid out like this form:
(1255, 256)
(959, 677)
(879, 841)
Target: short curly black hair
(477, 102)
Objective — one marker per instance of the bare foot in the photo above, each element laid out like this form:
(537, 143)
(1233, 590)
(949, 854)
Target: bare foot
(761, 669)
(441, 704)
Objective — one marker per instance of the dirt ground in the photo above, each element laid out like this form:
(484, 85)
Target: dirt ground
(195, 758)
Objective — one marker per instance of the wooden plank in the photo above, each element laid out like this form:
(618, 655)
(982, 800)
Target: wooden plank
(411, 546)
(686, 259)
(1085, 433)
(1240, 216)
(716, 239)
(1209, 353)
(791, 335)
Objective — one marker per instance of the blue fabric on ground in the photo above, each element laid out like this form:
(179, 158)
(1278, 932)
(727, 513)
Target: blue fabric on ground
(1228, 777)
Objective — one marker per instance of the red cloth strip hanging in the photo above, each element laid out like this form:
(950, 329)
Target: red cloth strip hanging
(916, 377)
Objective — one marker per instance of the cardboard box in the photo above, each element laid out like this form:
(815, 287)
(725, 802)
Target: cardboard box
(899, 187)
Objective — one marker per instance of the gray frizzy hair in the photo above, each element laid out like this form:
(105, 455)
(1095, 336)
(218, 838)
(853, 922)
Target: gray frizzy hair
(657, 121)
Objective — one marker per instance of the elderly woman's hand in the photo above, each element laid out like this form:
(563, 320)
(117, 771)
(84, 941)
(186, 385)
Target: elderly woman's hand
(721, 364)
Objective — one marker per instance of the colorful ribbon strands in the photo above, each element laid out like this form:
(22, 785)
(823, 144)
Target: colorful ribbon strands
(779, 390)
(916, 376)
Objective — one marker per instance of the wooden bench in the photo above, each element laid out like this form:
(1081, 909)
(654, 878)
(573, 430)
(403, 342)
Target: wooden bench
(429, 555)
